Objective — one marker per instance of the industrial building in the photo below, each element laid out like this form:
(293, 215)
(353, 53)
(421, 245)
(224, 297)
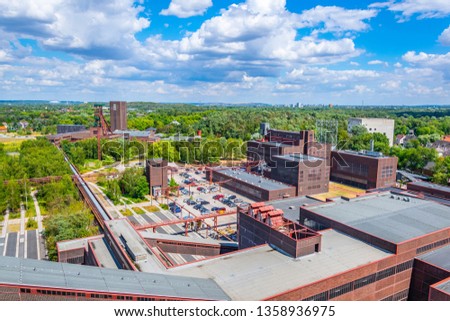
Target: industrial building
(118, 115)
(280, 142)
(63, 129)
(367, 170)
(156, 171)
(430, 189)
(375, 125)
(431, 276)
(310, 175)
(141, 135)
(406, 227)
(255, 187)
(32, 280)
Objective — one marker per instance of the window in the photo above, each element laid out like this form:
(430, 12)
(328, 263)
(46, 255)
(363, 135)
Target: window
(340, 290)
(385, 273)
(364, 281)
(318, 297)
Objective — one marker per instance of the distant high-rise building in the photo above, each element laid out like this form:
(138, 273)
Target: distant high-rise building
(118, 112)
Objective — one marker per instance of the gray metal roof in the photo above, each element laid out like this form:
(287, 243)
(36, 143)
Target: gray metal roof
(147, 234)
(103, 254)
(296, 157)
(275, 144)
(445, 286)
(388, 216)
(368, 154)
(431, 185)
(258, 181)
(80, 277)
(261, 272)
(133, 133)
(291, 206)
(439, 258)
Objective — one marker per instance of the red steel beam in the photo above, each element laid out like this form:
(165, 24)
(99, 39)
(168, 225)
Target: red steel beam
(182, 221)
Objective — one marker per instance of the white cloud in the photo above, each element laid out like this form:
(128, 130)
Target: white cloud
(102, 28)
(423, 8)
(444, 38)
(378, 62)
(337, 19)
(185, 9)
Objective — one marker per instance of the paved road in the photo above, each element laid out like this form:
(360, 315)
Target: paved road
(133, 221)
(11, 245)
(32, 246)
(21, 252)
(38, 211)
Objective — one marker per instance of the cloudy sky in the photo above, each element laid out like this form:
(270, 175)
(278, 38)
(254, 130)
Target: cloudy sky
(272, 51)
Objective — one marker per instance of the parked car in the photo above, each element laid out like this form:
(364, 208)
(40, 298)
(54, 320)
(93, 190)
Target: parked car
(204, 210)
(198, 172)
(237, 200)
(217, 209)
(191, 202)
(175, 209)
(231, 197)
(218, 197)
(199, 200)
(197, 206)
(204, 202)
(186, 181)
(213, 189)
(184, 191)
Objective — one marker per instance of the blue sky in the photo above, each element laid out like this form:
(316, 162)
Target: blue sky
(271, 51)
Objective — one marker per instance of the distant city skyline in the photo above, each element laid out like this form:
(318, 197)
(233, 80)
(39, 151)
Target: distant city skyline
(255, 51)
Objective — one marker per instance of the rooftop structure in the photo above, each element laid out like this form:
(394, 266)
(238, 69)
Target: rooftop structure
(262, 272)
(385, 219)
(258, 188)
(255, 180)
(135, 245)
(291, 206)
(367, 170)
(70, 277)
(310, 175)
(145, 135)
(430, 189)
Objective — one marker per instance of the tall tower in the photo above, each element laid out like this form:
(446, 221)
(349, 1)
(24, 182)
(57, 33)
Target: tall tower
(118, 112)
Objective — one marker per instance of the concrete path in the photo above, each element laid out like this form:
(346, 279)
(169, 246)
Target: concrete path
(5, 225)
(22, 219)
(38, 211)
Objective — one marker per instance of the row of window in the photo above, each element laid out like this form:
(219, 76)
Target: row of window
(313, 187)
(351, 286)
(387, 171)
(432, 246)
(92, 295)
(399, 296)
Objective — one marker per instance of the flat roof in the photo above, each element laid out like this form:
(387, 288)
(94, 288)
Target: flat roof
(431, 185)
(178, 238)
(439, 258)
(133, 133)
(444, 286)
(123, 230)
(257, 181)
(296, 157)
(368, 154)
(291, 206)
(76, 243)
(17, 271)
(275, 144)
(261, 272)
(389, 216)
(103, 254)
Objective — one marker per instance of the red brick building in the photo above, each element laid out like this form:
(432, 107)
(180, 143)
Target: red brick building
(366, 170)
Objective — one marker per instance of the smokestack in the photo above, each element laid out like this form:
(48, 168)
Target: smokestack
(372, 145)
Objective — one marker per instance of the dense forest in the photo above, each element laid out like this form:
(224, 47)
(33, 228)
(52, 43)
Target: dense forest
(66, 215)
(225, 129)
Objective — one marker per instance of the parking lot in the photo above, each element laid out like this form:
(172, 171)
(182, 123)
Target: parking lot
(198, 197)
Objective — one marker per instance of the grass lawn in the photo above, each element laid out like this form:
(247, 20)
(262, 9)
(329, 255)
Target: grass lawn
(152, 208)
(126, 212)
(31, 212)
(31, 224)
(13, 216)
(138, 210)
